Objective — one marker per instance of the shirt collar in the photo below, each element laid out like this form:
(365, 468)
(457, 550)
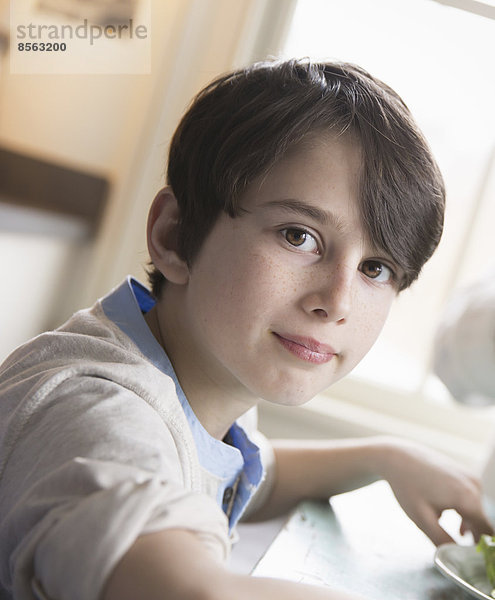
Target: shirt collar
(125, 306)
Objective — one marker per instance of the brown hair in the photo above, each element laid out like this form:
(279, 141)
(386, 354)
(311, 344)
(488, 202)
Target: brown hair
(243, 122)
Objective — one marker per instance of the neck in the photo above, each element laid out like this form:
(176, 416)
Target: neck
(216, 401)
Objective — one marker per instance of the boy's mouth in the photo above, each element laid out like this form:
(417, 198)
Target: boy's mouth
(306, 348)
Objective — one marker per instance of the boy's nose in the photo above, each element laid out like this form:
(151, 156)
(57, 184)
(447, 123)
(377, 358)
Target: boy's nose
(331, 300)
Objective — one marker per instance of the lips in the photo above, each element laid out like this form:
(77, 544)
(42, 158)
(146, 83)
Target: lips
(306, 348)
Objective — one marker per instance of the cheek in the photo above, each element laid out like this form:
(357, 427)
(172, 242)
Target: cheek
(257, 283)
(247, 286)
(371, 316)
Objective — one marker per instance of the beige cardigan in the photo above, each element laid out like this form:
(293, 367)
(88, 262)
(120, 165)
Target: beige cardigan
(95, 450)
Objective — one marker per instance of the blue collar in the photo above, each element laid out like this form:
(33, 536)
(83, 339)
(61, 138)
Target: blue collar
(238, 460)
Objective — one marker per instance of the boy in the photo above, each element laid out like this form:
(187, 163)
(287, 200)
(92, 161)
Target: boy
(301, 199)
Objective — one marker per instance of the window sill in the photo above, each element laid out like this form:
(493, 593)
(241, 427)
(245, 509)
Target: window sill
(354, 409)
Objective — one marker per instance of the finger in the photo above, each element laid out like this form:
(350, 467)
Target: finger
(437, 534)
(427, 521)
(474, 519)
(477, 527)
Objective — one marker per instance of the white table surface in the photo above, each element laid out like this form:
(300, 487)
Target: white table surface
(363, 542)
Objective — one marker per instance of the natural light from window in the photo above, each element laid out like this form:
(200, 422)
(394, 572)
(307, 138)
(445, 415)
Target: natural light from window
(440, 60)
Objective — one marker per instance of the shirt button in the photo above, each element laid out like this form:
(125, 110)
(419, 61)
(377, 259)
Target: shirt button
(227, 495)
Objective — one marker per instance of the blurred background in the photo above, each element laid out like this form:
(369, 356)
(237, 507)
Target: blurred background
(82, 155)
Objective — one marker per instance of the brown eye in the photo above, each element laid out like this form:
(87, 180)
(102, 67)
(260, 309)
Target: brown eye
(296, 237)
(376, 270)
(301, 239)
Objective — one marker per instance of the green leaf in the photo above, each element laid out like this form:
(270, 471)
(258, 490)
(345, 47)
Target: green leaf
(486, 546)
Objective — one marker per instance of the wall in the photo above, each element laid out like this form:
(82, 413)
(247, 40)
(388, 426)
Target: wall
(117, 126)
(88, 122)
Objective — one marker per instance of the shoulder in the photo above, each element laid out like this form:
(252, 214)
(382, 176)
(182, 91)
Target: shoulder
(87, 388)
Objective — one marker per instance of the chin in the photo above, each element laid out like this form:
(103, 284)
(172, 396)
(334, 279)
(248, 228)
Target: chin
(292, 398)
(289, 389)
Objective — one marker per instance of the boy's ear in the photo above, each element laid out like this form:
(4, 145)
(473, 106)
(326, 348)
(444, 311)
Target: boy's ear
(163, 219)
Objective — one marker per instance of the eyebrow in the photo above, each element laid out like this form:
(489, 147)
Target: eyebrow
(324, 217)
(302, 208)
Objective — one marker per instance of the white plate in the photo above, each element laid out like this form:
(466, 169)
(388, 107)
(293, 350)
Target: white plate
(465, 567)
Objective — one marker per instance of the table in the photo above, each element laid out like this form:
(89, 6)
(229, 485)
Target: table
(361, 542)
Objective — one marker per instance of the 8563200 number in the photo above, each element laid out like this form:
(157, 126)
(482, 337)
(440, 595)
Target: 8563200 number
(42, 47)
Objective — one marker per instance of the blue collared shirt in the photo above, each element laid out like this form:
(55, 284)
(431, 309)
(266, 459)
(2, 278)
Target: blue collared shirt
(237, 465)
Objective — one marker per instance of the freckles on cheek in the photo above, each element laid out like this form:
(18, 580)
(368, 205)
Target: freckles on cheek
(257, 273)
(372, 317)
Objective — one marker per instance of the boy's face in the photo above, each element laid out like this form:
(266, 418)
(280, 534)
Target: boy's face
(287, 298)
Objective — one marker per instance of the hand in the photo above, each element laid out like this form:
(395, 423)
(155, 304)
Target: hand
(426, 483)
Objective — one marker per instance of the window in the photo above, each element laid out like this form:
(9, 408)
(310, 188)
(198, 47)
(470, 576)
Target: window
(440, 60)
